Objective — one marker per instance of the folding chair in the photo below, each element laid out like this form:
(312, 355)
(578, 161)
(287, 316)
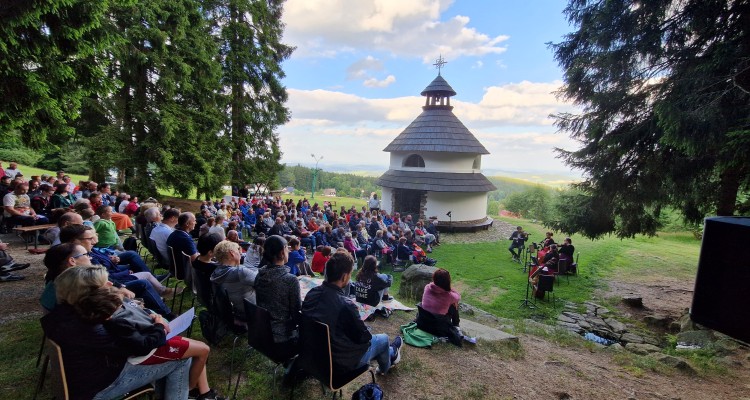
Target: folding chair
(260, 338)
(60, 389)
(316, 358)
(180, 268)
(226, 312)
(547, 285)
(563, 268)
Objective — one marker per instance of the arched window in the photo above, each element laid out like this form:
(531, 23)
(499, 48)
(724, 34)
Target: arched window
(477, 163)
(414, 160)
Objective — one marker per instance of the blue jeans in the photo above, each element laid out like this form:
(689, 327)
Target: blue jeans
(145, 290)
(133, 259)
(176, 376)
(309, 240)
(380, 350)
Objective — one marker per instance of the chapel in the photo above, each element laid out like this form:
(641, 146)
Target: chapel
(435, 167)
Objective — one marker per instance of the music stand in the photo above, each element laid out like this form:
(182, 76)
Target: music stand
(526, 302)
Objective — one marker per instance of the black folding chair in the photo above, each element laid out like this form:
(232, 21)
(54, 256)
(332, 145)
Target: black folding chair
(316, 358)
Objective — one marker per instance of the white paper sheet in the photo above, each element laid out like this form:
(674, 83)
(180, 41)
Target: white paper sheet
(181, 323)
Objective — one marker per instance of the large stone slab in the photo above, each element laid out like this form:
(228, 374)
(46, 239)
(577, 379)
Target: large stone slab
(414, 279)
(484, 332)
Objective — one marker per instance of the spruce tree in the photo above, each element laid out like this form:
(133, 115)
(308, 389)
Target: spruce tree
(662, 121)
(251, 54)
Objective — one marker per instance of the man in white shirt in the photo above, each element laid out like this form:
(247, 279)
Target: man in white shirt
(162, 230)
(12, 170)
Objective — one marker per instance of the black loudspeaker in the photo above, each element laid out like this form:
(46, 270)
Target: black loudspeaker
(722, 287)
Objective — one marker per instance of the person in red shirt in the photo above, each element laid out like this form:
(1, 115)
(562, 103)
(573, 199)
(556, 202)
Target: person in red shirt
(321, 256)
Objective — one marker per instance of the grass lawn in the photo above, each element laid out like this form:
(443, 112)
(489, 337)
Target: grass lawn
(28, 172)
(487, 278)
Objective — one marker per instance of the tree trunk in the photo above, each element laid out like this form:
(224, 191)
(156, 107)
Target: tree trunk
(729, 185)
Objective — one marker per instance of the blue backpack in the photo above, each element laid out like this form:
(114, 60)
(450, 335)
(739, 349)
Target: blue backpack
(370, 391)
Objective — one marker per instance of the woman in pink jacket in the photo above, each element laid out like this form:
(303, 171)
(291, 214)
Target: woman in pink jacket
(438, 312)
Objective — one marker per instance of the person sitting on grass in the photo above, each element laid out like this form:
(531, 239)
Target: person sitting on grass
(254, 253)
(352, 344)
(438, 312)
(105, 229)
(372, 286)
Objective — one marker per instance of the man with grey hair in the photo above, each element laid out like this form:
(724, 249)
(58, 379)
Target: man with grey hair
(164, 229)
(180, 239)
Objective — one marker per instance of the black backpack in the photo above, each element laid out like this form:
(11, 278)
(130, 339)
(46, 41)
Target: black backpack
(130, 244)
(212, 327)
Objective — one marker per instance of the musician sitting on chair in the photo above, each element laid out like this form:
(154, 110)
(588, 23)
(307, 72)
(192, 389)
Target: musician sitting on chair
(518, 239)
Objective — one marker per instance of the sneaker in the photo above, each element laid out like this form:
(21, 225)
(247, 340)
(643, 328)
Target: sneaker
(6, 277)
(13, 267)
(396, 357)
(471, 340)
(210, 395)
(193, 394)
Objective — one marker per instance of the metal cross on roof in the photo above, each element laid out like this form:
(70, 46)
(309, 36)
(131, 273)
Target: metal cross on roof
(439, 63)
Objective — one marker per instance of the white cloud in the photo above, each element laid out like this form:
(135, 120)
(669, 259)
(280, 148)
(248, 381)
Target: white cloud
(322, 28)
(477, 65)
(359, 69)
(374, 83)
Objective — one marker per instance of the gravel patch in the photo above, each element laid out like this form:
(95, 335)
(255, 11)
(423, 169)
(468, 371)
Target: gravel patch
(500, 230)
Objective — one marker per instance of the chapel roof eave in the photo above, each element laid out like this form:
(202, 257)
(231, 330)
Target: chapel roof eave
(436, 181)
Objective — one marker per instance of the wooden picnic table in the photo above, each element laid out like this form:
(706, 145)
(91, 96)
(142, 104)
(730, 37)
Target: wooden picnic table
(35, 229)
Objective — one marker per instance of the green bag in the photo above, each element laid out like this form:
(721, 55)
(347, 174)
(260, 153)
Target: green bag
(416, 337)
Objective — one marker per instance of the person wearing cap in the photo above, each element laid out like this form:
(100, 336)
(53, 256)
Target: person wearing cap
(12, 170)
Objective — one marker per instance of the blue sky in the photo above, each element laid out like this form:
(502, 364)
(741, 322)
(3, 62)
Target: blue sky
(355, 78)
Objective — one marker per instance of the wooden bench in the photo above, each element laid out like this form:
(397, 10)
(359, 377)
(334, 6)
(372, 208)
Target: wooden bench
(35, 229)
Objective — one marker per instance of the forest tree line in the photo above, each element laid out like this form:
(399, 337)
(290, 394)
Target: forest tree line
(179, 94)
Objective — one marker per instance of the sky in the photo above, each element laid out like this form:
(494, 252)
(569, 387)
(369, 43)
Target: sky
(359, 66)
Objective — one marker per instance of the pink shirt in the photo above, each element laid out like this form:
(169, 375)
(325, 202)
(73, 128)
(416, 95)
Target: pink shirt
(437, 301)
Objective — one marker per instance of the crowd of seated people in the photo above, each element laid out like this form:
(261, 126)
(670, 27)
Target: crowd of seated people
(360, 232)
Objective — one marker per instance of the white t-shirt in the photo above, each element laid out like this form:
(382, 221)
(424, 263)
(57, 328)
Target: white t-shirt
(21, 203)
(160, 234)
(123, 205)
(12, 173)
(219, 230)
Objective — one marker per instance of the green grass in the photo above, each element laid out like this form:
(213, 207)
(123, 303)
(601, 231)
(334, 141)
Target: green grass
(29, 171)
(487, 278)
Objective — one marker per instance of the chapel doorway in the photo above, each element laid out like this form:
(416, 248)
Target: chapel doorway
(412, 202)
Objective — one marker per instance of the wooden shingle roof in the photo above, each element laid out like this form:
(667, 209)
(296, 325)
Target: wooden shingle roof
(436, 181)
(437, 129)
(438, 86)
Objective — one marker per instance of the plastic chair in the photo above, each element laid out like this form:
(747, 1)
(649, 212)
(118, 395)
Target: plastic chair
(316, 358)
(60, 390)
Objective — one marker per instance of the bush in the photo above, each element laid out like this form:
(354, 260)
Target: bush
(493, 207)
(19, 155)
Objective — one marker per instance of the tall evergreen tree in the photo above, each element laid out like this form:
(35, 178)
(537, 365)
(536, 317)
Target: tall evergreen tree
(663, 121)
(50, 59)
(165, 116)
(252, 53)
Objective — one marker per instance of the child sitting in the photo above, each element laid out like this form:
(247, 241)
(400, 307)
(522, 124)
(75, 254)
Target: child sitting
(105, 228)
(145, 333)
(297, 261)
(321, 256)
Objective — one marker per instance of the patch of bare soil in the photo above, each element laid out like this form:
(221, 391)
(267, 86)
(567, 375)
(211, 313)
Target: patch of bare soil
(21, 298)
(543, 371)
(665, 296)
